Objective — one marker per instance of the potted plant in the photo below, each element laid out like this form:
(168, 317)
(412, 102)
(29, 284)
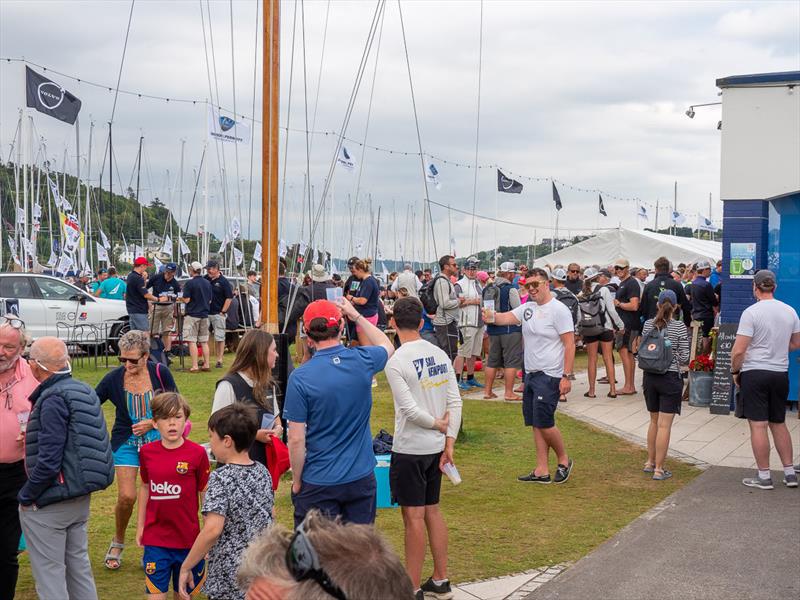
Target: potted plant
(701, 377)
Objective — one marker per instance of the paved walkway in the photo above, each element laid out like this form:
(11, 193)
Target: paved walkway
(712, 539)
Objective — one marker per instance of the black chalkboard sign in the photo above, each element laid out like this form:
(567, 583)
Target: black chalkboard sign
(723, 381)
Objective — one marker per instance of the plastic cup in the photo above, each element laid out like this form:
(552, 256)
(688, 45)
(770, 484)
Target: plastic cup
(488, 306)
(334, 294)
(452, 473)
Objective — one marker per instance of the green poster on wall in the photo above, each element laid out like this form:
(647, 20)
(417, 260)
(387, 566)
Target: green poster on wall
(743, 260)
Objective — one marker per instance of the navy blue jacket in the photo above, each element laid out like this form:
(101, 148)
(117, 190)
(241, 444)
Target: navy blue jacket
(111, 388)
(703, 298)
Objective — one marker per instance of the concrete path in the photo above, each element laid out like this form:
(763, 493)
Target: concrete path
(697, 435)
(713, 539)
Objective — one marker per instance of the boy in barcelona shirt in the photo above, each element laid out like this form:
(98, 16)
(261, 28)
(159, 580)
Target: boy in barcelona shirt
(174, 473)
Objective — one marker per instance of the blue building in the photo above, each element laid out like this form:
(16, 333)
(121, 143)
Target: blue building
(760, 189)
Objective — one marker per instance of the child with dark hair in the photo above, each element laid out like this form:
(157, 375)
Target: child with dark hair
(237, 507)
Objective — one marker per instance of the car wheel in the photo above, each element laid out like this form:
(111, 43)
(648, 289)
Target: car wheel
(117, 331)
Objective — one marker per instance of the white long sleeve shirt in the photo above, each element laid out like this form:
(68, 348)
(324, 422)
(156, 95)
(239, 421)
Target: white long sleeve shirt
(424, 387)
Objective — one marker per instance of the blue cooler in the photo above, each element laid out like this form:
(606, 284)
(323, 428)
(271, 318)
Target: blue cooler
(384, 494)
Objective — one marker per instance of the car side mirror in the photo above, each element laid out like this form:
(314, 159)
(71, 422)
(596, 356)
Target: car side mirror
(78, 298)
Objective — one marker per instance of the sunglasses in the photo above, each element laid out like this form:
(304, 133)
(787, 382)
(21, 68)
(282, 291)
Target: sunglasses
(12, 322)
(133, 361)
(303, 563)
(574, 271)
(533, 284)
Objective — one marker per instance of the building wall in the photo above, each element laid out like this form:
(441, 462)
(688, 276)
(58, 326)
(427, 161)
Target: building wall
(760, 142)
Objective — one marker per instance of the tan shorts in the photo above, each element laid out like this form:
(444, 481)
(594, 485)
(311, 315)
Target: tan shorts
(195, 329)
(218, 326)
(473, 342)
(161, 319)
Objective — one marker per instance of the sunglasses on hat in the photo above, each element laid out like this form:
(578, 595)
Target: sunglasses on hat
(303, 563)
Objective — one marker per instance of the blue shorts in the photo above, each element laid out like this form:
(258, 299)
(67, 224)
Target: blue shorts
(354, 502)
(162, 564)
(540, 399)
(126, 456)
(139, 321)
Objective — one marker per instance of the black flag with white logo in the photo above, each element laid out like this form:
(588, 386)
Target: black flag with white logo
(556, 197)
(509, 186)
(50, 98)
(601, 207)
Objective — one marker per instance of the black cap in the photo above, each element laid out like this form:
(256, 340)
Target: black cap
(352, 261)
(212, 264)
(764, 278)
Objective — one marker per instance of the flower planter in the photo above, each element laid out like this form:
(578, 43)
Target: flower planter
(700, 384)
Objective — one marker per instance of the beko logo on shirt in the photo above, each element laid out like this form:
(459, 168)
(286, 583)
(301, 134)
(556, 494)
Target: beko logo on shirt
(165, 491)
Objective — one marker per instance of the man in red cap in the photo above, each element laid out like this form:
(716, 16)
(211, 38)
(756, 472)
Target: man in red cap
(328, 406)
(136, 296)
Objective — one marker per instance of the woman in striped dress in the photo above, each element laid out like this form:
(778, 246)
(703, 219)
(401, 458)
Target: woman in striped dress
(662, 392)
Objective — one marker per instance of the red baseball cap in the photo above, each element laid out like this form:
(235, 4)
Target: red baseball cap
(322, 309)
(140, 260)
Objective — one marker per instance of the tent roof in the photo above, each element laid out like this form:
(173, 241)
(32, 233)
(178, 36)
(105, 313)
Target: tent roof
(641, 248)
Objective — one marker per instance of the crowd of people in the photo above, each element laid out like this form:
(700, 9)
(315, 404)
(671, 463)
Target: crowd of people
(427, 332)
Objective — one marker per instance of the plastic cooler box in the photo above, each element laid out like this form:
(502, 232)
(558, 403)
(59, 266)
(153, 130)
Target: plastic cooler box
(384, 495)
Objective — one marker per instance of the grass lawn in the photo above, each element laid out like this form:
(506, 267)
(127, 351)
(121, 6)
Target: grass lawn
(497, 525)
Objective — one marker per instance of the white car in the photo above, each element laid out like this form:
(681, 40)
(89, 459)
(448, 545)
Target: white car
(50, 306)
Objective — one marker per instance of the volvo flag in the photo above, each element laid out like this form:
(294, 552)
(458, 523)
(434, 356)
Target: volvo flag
(50, 98)
(226, 129)
(601, 207)
(677, 218)
(556, 196)
(509, 186)
(345, 160)
(705, 224)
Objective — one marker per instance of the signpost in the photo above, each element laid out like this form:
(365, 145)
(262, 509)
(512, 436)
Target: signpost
(722, 384)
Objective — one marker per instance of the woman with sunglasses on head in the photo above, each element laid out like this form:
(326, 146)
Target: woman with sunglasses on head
(130, 388)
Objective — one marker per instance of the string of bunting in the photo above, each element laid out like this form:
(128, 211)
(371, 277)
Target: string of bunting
(391, 151)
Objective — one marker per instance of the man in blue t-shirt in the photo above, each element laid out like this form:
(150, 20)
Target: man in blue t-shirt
(197, 297)
(328, 406)
(136, 296)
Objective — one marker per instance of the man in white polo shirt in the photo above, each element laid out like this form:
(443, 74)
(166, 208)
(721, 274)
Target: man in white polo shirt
(768, 331)
(549, 339)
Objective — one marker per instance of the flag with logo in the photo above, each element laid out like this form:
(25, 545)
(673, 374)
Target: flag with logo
(184, 247)
(345, 160)
(166, 247)
(507, 185)
(226, 129)
(103, 237)
(102, 253)
(600, 207)
(71, 228)
(257, 252)
(236, 228)
(556, 196)
(238, 256)
(432, 175)
(282, 249)
(677, 218)
(223, 245)
(50, 98)
(642, 214)
(705, 224)
(157, 264)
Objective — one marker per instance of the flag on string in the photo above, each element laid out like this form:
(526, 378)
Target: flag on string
(677, 218)
(432, 175)
(102, 253)
(345, 160)
(184, 247)
(556, 196)
(238, 256)
(601, 207)
(509, 186)
(226, 129)
(257, 252)
(642, 214)
(166, 247)
(282, 249)
(50, 98)
(236, 228)
(705, 224)
(103, 237)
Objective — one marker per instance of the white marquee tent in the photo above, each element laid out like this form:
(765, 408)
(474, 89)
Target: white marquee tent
(641, 248)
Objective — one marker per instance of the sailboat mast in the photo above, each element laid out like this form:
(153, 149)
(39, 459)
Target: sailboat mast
(88, 217)
(269, 153)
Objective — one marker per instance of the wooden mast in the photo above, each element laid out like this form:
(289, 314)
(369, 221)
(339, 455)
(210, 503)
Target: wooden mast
(269, 166)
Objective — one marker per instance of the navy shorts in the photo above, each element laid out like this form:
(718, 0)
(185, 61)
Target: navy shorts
(540, 399)
(663, 392)
(162, 564)
(354, 502)
(763, 395)
(415, 479)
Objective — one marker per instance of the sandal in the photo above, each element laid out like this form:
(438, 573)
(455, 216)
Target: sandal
(194, 370)
(562, 398)
(662, 475)
(118, 557)
(588, 395)
(610, 395)
(649, 467)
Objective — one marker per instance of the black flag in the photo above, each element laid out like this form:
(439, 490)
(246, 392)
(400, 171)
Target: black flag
(509, 186)
(602, 208)
(556, 197)
(50, 98)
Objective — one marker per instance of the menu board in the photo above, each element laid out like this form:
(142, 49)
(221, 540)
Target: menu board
(723, 380)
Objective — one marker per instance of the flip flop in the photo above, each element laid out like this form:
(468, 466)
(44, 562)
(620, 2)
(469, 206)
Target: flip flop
(489, 396)
(588, 395)
(193, 370)
(118, 558)
(562, 398)
(633, 393)
(610, 395)
(514, 399)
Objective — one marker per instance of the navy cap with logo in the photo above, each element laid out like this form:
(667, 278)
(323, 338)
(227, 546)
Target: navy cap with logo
(212, 264)
(171, 267)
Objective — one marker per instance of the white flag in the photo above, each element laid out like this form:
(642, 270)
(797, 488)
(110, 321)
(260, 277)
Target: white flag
(705, 224)
(282, 248)
(64, 264)
(252, 265)
(28, 245)
(345, 160)
(16, 259)
(37, 211)
(301, 249)
(432, 175)
(11, 244)
(226, 129)
(236, 228)
(137, 251)
(384, 270)
(102, 253)
(677, 218)
(166, 247)
(238, 256)
(51, 262)
(642, 212)
(54, 191)
(257, 252)
(157, 263)
(103, 237)
(20, 216)
(65, 205)
(184, 248)
(223, 245)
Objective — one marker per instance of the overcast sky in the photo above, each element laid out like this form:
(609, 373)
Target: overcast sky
(591, 94)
